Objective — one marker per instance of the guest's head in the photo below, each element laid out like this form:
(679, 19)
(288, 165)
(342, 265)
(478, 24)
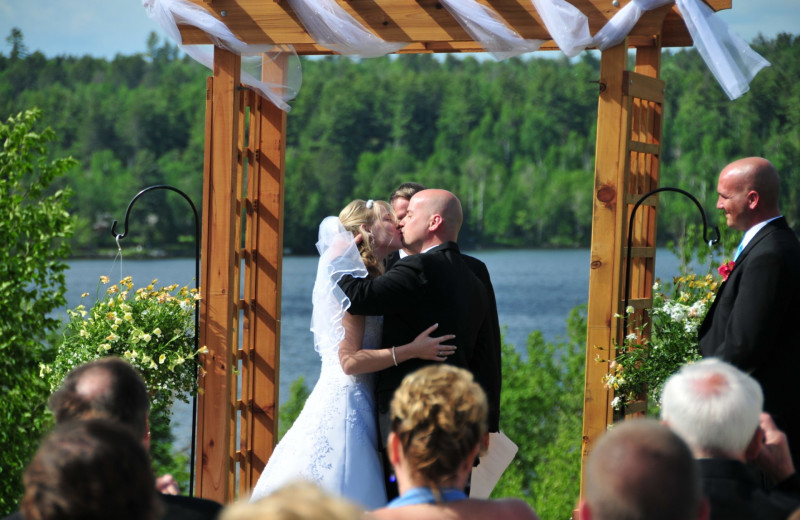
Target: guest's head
(714, 407)
(108, 387)
(640, 470)
(438, 426)
(295, 501)
(433, 217)
(90, 470)
(374, 222)
(748, 192)
(402, 195)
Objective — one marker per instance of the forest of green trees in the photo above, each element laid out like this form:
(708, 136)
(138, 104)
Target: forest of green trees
(514, 140)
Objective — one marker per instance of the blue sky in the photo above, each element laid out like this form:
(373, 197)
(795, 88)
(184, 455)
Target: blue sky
(104, 28)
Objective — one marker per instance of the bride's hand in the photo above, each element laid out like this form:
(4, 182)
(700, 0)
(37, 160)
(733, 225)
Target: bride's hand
(430, 348)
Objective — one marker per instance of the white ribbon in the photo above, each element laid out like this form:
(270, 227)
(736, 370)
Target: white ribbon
(332, 27)
(567, 25)
(731, 60)
(169, 13)
(485, 26)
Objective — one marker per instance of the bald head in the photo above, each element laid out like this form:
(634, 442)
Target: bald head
(444, 203)
(641, 470)
(433, 217)
(749, 190)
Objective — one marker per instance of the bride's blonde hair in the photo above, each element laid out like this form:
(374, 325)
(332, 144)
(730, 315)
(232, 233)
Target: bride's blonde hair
(358, 219)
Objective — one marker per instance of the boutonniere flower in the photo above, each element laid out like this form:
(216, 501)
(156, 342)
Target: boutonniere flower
(725, 269)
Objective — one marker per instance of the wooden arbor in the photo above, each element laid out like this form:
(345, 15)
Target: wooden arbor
(243, 207)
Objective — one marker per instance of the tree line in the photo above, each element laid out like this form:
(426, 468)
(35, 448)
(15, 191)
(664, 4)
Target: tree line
(514, 140)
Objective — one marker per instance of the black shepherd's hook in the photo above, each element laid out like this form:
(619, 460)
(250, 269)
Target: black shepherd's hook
(709, 241)
(119, 236)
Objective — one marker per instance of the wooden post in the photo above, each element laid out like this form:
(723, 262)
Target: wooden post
(268, 144)
(218, 305)
(608, 215)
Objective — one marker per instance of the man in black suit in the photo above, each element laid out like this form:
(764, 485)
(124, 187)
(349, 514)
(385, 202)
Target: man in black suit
(717, 409)
(753, 320)
(437, 284)
(110, 388)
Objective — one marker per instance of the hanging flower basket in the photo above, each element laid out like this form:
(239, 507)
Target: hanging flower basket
(153, 329)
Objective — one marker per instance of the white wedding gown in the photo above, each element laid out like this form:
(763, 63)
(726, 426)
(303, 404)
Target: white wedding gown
(334, 441)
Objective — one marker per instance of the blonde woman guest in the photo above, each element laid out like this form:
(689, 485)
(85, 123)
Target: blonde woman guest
(334, 441)
(438, 426)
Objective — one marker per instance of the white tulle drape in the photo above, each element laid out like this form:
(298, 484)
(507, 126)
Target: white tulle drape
(338, 257)
(567, 25)
(169, 13)
(485, 26)
(729, 57)
(731, 60)
(332, 27)
(618, 27)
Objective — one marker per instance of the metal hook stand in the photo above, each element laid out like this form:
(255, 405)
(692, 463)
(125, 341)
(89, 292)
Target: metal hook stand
(709, 241)
(118, 236)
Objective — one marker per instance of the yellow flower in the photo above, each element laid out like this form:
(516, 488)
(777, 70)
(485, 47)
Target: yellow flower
(153, 364)
(112, 337)
(84, 295)
(113, 289)
(146, 338)
(111, 315)
(83, 333)
(128, 317)
(157, 332)
(161, 359)
(203, 350)
(104, 279)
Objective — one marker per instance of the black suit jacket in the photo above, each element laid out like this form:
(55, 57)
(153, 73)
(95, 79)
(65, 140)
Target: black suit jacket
(735, 495)
(440, 286)
(754, 323)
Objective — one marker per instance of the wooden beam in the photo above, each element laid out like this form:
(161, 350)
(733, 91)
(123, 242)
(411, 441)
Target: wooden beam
(218, 304)
(606, 249)
(423, 22)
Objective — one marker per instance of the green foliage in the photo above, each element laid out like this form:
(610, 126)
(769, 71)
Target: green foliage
(542, 412)
(35, 228)
(288, 412)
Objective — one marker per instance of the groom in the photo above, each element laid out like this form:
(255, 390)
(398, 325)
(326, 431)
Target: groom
(436, 284)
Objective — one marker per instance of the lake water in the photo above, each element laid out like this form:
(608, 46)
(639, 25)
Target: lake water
(535, 290)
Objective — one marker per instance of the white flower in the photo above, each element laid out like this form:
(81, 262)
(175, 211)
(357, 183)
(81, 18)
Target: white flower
(616, 402)
(632, 337)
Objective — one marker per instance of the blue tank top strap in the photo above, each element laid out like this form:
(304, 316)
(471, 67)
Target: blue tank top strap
(424, 495)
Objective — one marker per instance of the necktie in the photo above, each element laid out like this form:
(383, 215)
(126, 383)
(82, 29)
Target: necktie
(738, 251)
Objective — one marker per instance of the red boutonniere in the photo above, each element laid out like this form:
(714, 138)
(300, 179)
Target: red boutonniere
(725, 269)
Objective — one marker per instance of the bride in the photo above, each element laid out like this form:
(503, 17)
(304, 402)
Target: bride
(334, 441)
